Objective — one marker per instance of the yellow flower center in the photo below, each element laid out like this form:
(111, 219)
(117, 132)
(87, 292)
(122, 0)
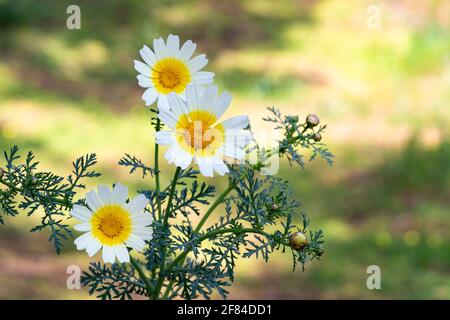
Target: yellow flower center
(111, 225)
(197, 134)
(170, 74)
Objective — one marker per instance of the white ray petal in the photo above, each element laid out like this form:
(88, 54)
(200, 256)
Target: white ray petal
(222, 104)
(135, 242)
(205, 165)
(163, 103)
(137, 204)
(203, 77)
(108, 254)
(85, 226)
(165, 137)
(150, 95)
(177, 104)
(81, 213)
(238, 122)
(148, 56)
(144, 81)
(82, 241)
(93, 247)
(142, 68)
(159, 48)
(119, 194)
(122, 253)
(173, 45)
(197, 63)
(187, 50)
(105, 194)
(93, 200)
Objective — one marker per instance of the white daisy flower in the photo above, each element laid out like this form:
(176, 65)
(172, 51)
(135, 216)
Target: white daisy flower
(169, 68)
(194, 133)
(112, 224)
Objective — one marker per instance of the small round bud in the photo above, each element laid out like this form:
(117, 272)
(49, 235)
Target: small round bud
(298, 241)
(317, 137)
(312, 120)
(274, 207)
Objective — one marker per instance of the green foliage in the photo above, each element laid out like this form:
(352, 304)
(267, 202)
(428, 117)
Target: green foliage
(27, 189)
(183, 261)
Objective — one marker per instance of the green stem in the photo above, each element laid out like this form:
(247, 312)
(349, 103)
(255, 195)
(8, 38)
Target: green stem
(141, 275)
(218, 201)
(157, 181)
(171, 193)
(181, 258)
(160, 282)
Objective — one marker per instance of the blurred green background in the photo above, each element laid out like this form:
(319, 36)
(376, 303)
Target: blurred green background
(384, 94)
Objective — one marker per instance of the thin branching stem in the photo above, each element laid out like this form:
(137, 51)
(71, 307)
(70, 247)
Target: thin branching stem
(142, 275)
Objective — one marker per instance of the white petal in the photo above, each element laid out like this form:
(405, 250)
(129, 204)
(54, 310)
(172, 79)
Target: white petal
(120, 193)
(142, 219)
(163, 104)
(187, 50)
(165, 137)
(160, 48)
(176, 155)
(205, 165)
(108, 254)
(137, 204)
(85, 226)
(93, 247)
(177, 105)
(220, 167)
(122, 253)
(105, 194)
(238, 138)
(238, 122)
(233, 152)
(193, 96)
(148, 56)
(168, 118)
(143, 233)
(81, 213)
(82, 241)
(209, 97)
(93, 200)
(135, 242)
(203, 77)
(173, 45)
(142, 68)
(144, 81)
(222, 104)
(197, 63)
(150, 96)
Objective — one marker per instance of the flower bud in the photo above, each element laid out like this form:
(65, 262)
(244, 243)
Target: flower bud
(317, 137)
(274, 207)
(312, 120)
(298, 241)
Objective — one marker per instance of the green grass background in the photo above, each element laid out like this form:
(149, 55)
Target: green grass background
(383, 93)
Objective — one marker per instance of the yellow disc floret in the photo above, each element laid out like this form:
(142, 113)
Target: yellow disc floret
(170, 75)
(111, 225)
(197, 134)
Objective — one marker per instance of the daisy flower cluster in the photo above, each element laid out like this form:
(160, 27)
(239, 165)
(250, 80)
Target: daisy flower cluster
(153, 243)
(190, 107)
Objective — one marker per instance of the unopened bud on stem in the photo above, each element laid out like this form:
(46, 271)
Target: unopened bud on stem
(312, 120)
(298, 241)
